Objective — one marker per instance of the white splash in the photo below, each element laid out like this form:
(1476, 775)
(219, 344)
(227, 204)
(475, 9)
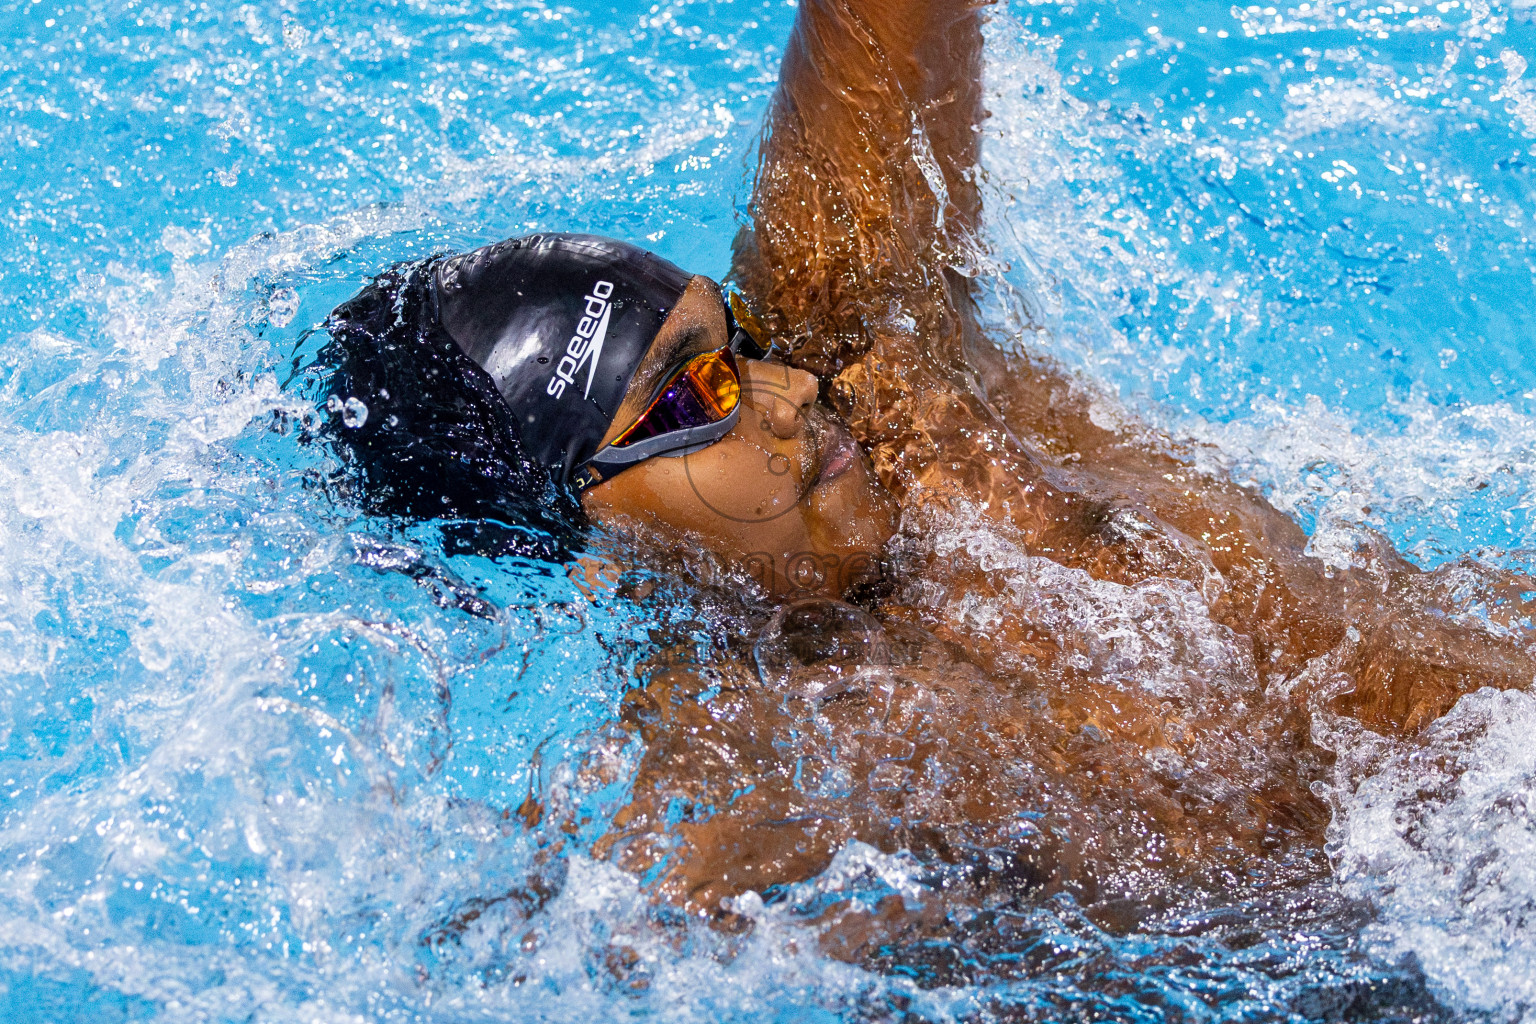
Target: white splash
(1442, 839)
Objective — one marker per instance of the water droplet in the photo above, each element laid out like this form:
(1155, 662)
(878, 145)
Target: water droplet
(282, 306)
(354, 413)
(183, 244)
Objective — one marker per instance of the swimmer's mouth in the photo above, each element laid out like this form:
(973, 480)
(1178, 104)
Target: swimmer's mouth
(836, 453)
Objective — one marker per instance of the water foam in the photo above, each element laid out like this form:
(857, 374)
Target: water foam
(1442, 839)
(1442, 482)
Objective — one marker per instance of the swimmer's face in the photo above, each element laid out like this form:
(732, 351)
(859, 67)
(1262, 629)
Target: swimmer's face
(787, 493)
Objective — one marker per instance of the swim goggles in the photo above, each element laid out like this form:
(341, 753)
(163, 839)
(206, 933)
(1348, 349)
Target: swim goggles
(696, 405)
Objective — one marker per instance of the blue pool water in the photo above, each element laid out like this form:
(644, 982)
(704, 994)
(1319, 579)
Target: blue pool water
(249, 771)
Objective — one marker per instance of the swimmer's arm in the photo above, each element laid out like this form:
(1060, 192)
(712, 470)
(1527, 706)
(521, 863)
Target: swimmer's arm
(861, 77)
(866, 164)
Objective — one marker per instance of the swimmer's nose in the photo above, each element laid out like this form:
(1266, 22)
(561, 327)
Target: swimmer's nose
(781, 393)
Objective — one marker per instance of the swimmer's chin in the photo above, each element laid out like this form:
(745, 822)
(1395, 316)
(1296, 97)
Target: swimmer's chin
(844, 552)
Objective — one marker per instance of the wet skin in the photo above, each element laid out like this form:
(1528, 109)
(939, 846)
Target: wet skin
(787, 494)
(1001, 709)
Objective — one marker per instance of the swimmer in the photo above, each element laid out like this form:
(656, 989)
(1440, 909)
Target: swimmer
(610, 376)
(588, 372)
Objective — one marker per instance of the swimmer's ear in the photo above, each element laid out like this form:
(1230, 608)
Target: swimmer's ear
(596, 578)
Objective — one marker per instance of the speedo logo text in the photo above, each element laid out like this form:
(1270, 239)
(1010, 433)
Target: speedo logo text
(586, 344)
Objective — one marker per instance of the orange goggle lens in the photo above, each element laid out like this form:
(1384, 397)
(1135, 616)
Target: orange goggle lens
(704, 390)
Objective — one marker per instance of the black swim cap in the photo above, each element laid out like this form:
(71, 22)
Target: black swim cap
(424, 432)
(559, 322)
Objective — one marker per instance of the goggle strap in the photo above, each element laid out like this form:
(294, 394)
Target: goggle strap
(746, 331)
(744, 344)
